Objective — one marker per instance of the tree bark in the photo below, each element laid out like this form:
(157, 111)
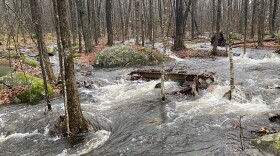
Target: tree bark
(253, 23)
(274, 15)
(84, 25)
(128, 19)
(214, 50)
(77, 122)
(246, 3)
(230, 49)
(179, 34)
(260, 22)
(109, 22)
(36, 16)
(122, 20)
(213, 16)
(137, 22)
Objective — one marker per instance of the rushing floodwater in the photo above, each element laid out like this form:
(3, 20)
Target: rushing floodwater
(133, 121)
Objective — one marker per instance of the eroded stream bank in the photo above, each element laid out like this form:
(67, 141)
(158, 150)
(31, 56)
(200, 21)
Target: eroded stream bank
(135, 122)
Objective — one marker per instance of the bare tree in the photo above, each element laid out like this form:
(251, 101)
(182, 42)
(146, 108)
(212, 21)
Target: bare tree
(230, 49)
(109, 22)
(179, 34)
(36, 16)
(253, 22)
(261, 12)
(274, 15)
(245, 24)
(218, 21)
(77, 122)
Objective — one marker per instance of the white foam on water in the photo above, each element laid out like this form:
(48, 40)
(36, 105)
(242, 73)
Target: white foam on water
(215, 103)
(4, 138)
(100, 137)
(118, 94)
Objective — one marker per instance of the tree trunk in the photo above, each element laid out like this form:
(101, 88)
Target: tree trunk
(37, 18)
(261, 22)
(213, 16)
(122, 21)
(143, 30)
(218, 21)
(246, 3)
(274, 15)
(193, 14)
(74, 21)
(77, 122)
(128, 19)
(151, 23)
(230, 49)
(109, 22)
(253, 23)
(179, 34)
(61, 64)
(84, 25)
(137, 22)
(164, 41)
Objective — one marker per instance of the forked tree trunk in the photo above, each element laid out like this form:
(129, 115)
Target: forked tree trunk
(77, 122)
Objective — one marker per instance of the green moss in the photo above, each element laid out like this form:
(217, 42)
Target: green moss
(34, 92)
(29, 61)
(269, 143)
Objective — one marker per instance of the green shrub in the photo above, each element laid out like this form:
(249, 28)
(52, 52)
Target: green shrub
(119, 56)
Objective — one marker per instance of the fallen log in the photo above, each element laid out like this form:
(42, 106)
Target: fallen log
(191, 83)
(174, 76)
(264, 40)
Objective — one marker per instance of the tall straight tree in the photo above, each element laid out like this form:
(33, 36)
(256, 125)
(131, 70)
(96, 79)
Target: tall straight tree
(218, 21)
(84, 19)
(213, 16)
(253, 21)
(274, 15)
(246, 3)
(230, 49)
(261, 20)
(137, 22)
(109, 24)
(37, 18)
(179, 32)
(77, 122)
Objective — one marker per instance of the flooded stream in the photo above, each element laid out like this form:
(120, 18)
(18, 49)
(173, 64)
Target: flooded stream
(132, 120)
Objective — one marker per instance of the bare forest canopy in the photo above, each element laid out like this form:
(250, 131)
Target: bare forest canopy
(199, 17)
